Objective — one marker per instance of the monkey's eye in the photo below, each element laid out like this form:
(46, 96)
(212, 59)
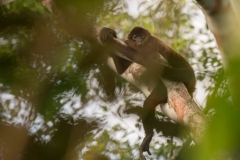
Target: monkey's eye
(141, 36)
(137, 36)
(134, 37)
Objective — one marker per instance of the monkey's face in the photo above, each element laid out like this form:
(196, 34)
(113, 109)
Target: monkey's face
(139, 39)
(139, 36)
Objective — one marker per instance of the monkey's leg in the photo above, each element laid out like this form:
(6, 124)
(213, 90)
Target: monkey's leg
(157, 96)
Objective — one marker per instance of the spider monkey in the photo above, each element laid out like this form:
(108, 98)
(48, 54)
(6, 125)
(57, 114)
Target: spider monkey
(143, 48)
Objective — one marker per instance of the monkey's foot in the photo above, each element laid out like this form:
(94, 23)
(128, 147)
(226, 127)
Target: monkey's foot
(145, 146)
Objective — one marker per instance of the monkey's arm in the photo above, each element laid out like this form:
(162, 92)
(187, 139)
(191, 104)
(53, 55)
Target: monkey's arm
(132, 55)
(175, 60)
(108, 37)
(121, 64)
(126, 51)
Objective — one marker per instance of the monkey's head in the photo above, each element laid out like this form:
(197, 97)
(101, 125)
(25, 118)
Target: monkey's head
(139, 35)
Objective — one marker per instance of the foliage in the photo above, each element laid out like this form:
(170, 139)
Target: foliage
(50, 80)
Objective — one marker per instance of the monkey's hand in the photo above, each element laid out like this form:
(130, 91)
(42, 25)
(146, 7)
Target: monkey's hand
(107, 34)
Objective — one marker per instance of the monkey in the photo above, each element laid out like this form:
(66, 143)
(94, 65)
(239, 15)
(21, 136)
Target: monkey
(143, 48)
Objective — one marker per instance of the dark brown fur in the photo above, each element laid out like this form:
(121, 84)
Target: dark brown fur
(143, 48)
